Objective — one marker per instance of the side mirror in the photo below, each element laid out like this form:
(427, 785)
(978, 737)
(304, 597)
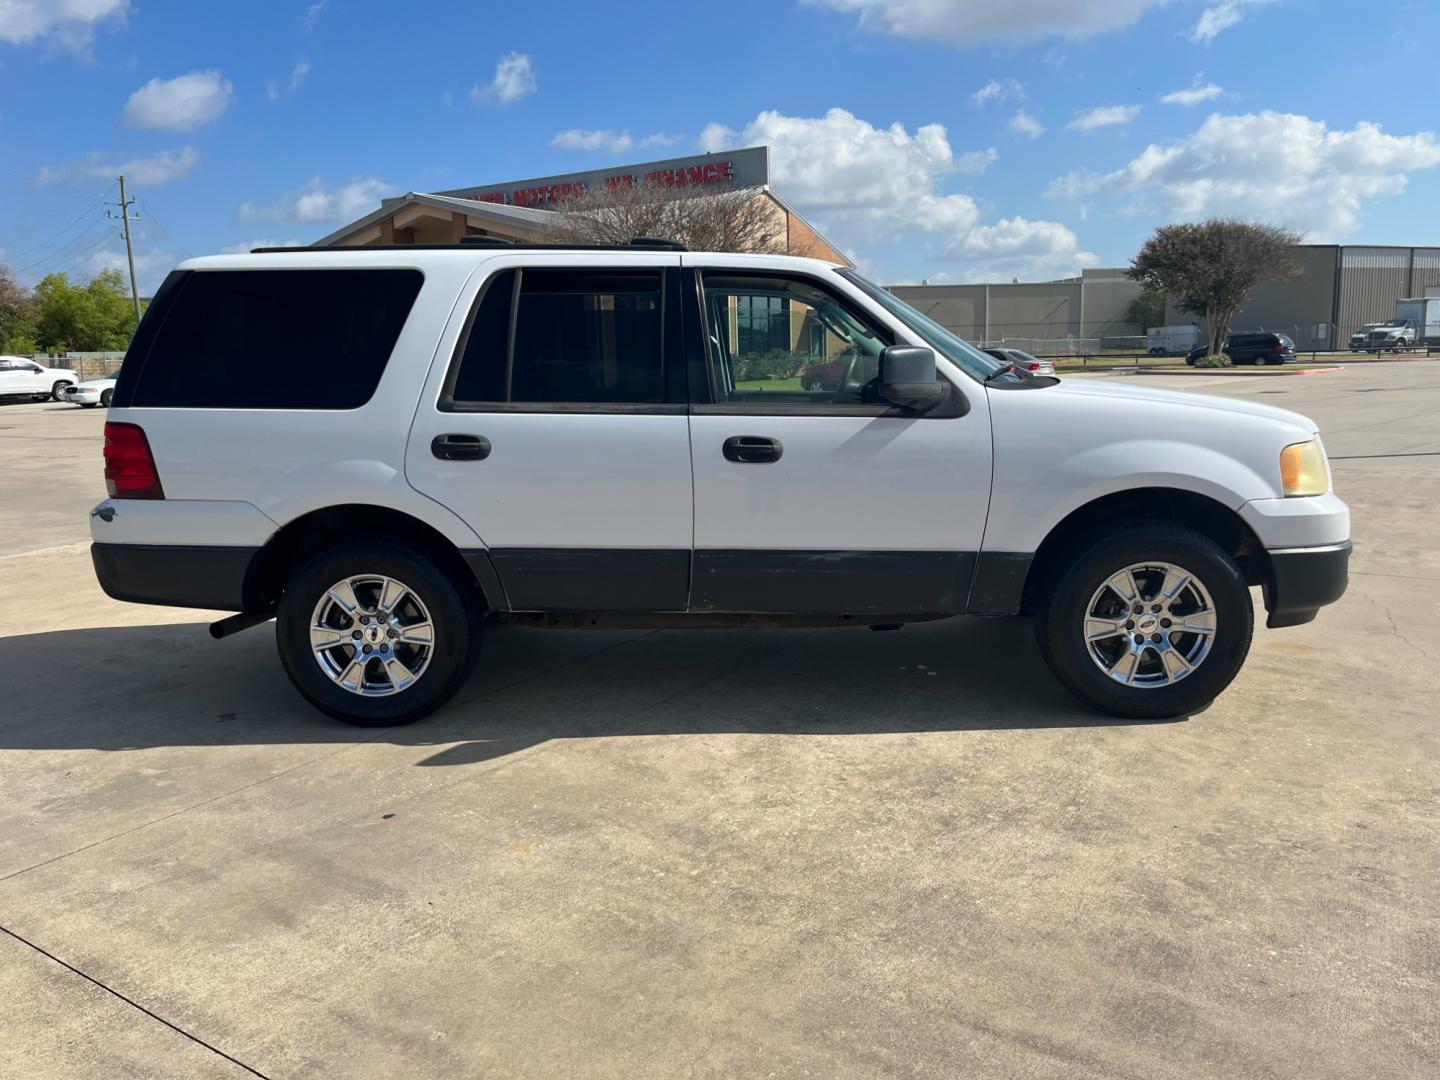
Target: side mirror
(908, 377)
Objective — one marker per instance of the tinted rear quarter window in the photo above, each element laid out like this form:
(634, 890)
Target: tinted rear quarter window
(276, 339)
(579, 337)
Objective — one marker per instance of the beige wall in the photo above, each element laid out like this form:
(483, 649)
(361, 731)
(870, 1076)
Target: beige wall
(1093, 306)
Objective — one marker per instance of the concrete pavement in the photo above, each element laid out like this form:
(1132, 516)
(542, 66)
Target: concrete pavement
(806, 853)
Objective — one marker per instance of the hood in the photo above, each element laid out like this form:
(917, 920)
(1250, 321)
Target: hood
(1096, 388)
(98, 384)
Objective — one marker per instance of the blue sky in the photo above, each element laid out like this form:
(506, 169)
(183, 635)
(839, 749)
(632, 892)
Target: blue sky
(932, 139)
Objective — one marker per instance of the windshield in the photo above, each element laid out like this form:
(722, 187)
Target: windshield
(964, 355)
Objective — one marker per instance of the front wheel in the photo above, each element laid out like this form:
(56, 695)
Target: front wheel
(105, 396)
(1148, 622)
(814, 385)
(57, 392)
(375, 635)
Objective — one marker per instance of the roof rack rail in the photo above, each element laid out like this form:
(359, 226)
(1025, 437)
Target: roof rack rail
(639, 243)
(657, 242)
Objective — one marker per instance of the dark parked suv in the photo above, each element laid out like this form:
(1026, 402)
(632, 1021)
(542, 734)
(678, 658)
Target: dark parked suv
(1251, 349)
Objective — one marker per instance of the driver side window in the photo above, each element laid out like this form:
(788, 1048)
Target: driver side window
(784, 341)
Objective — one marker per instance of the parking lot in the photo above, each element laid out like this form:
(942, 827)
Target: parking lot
(823, 853)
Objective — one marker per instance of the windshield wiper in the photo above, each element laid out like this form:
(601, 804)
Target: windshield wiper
(1006, 369)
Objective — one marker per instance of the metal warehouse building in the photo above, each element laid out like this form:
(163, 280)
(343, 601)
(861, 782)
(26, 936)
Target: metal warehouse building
(1094, 305)
(1339, 289)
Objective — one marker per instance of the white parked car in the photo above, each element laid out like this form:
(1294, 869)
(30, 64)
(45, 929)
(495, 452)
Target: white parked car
(558, 437)
(91, 392)
(21, 377)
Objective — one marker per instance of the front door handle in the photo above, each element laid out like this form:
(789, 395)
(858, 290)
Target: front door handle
(752, 449)
(459, 447)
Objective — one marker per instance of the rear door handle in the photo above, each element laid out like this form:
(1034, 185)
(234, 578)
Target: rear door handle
(752, 449)
(458, 447)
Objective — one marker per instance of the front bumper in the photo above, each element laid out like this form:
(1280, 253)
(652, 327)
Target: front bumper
(83, 397)
(1303, 580)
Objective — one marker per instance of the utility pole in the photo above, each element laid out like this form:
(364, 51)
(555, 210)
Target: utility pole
(125, 219)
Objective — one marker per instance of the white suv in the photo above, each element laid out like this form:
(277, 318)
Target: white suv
(383, 448)
(20, 377)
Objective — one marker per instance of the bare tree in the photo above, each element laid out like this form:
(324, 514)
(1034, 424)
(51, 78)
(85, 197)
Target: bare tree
(744, 220)
(1210, 268)
(17, 314)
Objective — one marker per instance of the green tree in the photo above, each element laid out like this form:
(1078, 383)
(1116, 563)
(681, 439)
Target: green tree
(96, 317)
(17, 315)
(1147, 309)
(1210, 268)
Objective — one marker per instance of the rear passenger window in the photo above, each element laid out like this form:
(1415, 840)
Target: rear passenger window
(276, 339)
(581, 337)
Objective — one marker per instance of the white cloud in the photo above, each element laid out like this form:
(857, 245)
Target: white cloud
(150, 171)
(151, 266)
(275, 89)
(975, 162)
(999, 90)
(179, 104)
(314, 202)
(1279, 167)
(1020, 248)
(971, 22)
(1104, 116)
(859, 183)
(1022, 123)
(1192, 95)
(716, 137)
(1220, 17)
(71, 23)
(311, 16)
(514, 79)
(612, 142)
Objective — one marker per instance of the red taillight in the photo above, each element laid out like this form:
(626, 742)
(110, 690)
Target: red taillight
(129, 466)
(1279, 348)
(1034, 366)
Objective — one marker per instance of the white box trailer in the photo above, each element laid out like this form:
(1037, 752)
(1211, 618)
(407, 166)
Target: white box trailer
(1173, 340)
(1424, 312)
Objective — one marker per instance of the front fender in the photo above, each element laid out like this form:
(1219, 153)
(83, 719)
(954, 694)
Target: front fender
(1031, 496)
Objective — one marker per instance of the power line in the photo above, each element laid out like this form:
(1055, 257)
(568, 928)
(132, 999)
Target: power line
(34, 247)
(67, 250)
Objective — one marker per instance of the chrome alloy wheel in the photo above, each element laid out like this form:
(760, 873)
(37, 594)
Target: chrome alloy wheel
(372, 635)
(1150, 624)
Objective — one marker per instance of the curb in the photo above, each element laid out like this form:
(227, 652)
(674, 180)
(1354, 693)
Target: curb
(1231, 372)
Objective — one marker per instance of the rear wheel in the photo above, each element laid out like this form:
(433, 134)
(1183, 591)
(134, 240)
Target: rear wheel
(376, 635)
(1149, 622)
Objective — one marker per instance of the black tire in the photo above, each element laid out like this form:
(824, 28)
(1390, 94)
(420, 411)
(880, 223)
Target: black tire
(1060, 619)
(57, 392)
(456, 621)
(105, 396)
(814, 385)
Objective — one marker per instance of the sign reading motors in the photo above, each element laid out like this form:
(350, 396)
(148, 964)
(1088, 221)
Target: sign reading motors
(729, 168)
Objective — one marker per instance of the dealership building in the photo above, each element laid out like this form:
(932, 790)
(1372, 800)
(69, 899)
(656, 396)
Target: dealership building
(1339, 287)
(522, 210)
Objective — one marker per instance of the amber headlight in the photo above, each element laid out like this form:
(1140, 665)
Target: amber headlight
(1303, 470)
